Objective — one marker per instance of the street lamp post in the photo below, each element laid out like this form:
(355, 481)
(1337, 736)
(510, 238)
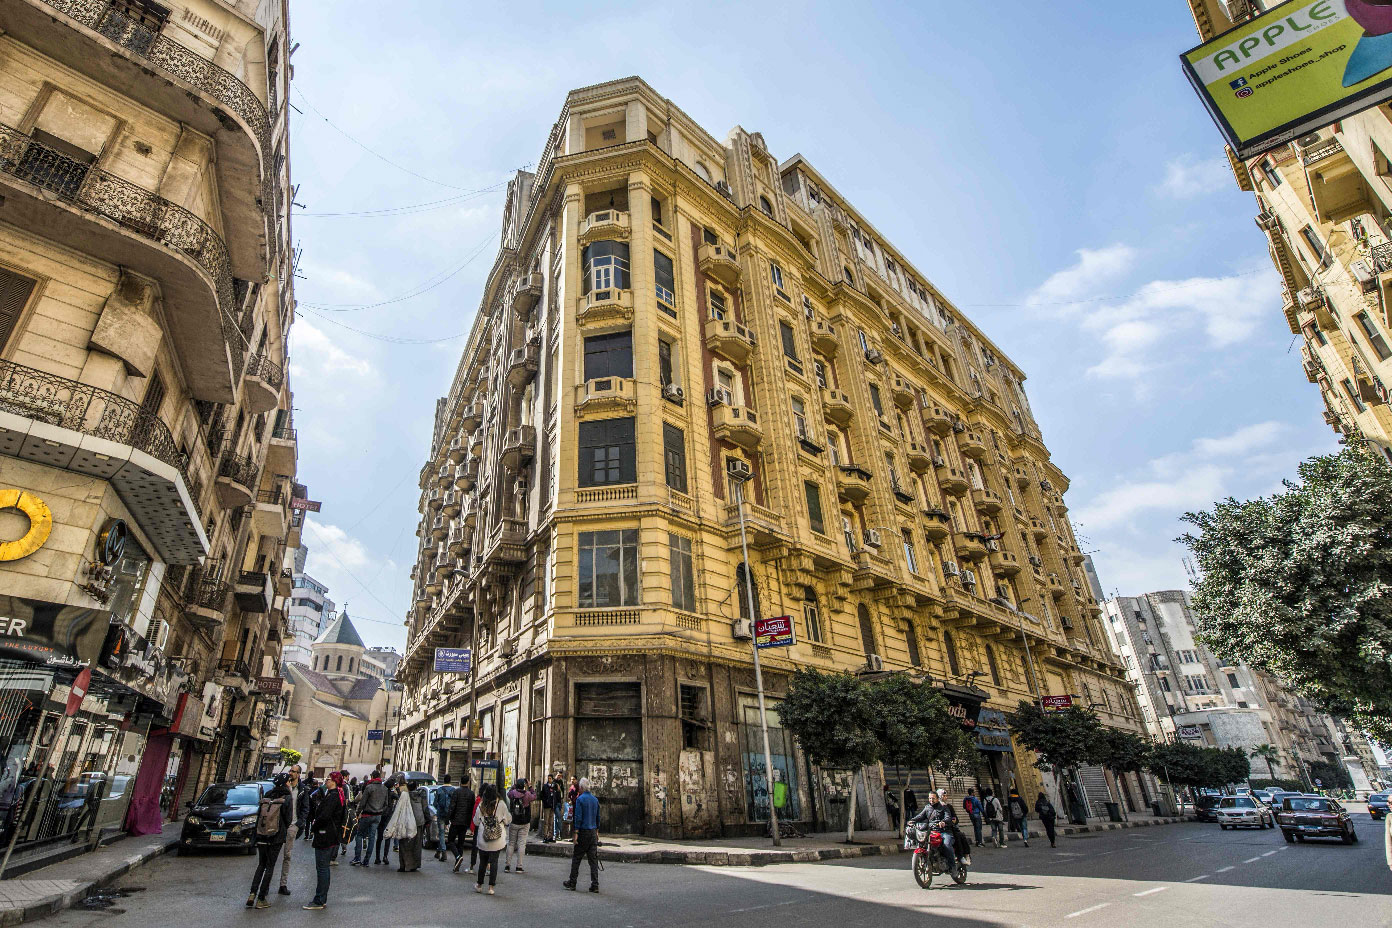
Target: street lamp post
(738, 485)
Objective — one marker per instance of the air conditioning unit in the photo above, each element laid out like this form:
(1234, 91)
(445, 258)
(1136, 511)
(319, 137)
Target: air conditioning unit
(738, 468)
(874, 663)
(723, 188)
(950, 568)
(1036, 561)
(741, 630)
(720, 396)
(968, 577)
(958, 426)
(872, 537)
(1003, 592)
(873, 355)
(1046, 486)
(898, 332)
(508, 648)
(938, 461)
(1266, 221)
(992, 544)
(673, 392)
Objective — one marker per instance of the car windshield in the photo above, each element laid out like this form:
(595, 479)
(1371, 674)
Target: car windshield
(1378, 797)
(1240, 802)
(230, 796)
(1301, 804)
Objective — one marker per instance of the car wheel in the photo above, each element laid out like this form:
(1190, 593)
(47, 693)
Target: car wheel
(1222, 827)
(1353, 836)
(1300, 838)
(1290, 839)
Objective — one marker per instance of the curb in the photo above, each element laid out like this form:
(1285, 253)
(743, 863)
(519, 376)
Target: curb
(80, 889)
(1116, 826)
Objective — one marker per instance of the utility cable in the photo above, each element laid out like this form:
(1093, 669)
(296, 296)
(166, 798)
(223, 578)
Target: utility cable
(409, 210)
(430, 283)
(329, 551)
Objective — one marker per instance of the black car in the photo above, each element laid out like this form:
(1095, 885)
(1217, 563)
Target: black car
(1309, 816)
(224, 816)
(1206, 807)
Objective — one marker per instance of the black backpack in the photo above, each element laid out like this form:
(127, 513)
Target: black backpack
(521, 811)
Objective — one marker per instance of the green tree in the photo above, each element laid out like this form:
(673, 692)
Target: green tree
(1179, 763)
(1229, 766)
(1331, 776)
(1270, 754)
(831, 716)
(1121, 752)
(1062, 740)
(913, 728)
(1296, 584)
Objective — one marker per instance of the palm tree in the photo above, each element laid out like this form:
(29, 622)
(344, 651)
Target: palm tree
(1269, 753)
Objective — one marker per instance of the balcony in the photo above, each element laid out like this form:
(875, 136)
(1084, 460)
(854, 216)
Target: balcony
(94, 38)
(466, 474)
(293, 533)
(837, 406)
(902, 391)
(471, 416)
(1056, 589)
(271, 517)
(476, 442)
(451, 502)
(1003, 563)
(236, 475)
(282, 451)
(205, 603)
(872, 571)
(525, 293)
(1022, 477)
(973, 445)
(719, 262)
(1038, 529)
(824, 337)
(729, 339)
(519, 446)
(1337, 188)
(254, 592)
(970, 545)
(604, 225)
(605, 308)
(606, 394)
(93, 211)
(457, 449)
(937, 420)
(233, 672)
(61, 423)
(439, 527)
(919, 457)
(444, 477)
(737, 424)
(762, 526)
(853, 483)
(950, 478)
(937, 524)
(522, 366)
(507, 544)
(468, 513)
(986, 500)
(261, 383)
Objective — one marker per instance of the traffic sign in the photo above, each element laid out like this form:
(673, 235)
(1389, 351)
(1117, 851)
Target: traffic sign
(774, 631)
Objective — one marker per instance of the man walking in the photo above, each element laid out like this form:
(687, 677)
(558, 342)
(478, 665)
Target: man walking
(294, 822)
(520, 800)
(1019, 813)
(995, 817)
(330, 813)
(547, 830)
(461, 820)
(972, 806)
(586, 823)
(372, 804)
(443, 803)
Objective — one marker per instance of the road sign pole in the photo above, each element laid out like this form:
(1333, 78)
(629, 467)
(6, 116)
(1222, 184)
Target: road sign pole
(758, 671)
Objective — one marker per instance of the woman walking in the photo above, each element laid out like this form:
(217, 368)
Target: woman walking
(1019, 813)
(1045, 810)
(272, 828)
(409, 848)
(490, 834)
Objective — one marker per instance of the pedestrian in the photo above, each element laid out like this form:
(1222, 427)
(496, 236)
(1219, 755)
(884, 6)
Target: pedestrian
(572, 792)
(491, 821)
(442, 804)
(402, 827)
(461, 823)
(520, 800)
(330, 815)
(994, 815)
(1387, 837)
(372, 805)
(309, 790)
(351, 824)
(586, 821)
(473, 847)
(1045, 810)
(384, 844)
(273, 818)
(294, 825)
(560, 783)
(409, 846)
(972, 806)
(1018, 816)
(892, 806)
(547, 828)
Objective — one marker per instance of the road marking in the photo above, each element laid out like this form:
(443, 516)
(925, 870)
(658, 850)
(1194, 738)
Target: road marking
(1151, 892)
(1269, 853)
(1252, 860)
(771, 905)
(1086, 911)
(1224, 869)
(1201, 876)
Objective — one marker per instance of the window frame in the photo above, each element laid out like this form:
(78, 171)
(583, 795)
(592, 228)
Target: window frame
(627, 466)
(682, 572)
(628, 574)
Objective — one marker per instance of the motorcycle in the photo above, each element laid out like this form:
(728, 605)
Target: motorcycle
(928, 859)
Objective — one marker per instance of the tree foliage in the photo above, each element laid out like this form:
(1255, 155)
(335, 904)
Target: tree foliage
(1121, 751)
(1331, 776)
(1197, 767)
(290, 756)
(1066, 738)
(831, 716)
(912, 724)
(1297, 584)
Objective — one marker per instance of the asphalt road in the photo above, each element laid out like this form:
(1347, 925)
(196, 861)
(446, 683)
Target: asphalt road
(1174, 876)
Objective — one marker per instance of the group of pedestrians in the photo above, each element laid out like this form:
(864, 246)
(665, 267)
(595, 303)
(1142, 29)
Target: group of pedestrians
(379, 815)
(986, 811)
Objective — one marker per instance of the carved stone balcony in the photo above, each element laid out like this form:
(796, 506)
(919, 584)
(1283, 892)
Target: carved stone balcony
(1038, 529)
(719, 262)
(1003, 563)
(972, 444)
(261, 383)
(91, 210)
(1056, 588)
(919, 457)
(95, 38)
(272, 513)
(466, 474)
(519, 446)
(937, 420)
(729, 339)
(61, 423)
(468, 513)
(522, 366)
(853, 482)
(970, 545)
(762, 525)
(1021, 475)
(937, 524)
(525, 293)
(604, 225)
(439, 528)
(236, 475)
(836, 405)
(605, 308)
(951, 479)
(471, 416)
(457, 449)
(737, 424)
(824, 337)
(903, 391)
(451, 502)
(282, 451)
(987, 500)
(507, 543)
(606, 394)
(205, 600)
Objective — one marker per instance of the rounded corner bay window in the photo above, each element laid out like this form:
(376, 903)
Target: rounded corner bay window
(605, 266)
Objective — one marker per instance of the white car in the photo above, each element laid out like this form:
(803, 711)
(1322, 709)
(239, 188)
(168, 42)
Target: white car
(1236, 811)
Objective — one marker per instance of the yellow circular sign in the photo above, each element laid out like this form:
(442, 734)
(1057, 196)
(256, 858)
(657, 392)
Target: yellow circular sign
(40, 524)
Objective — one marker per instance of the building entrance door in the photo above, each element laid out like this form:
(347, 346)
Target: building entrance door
(609, 751)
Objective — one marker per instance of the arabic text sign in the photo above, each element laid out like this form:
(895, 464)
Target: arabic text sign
(774, 631)
(452, 660)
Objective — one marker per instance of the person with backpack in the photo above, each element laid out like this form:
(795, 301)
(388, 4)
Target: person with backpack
(520, 801)
(272, 826)
(547, 828)
(994, 816)
(384, 843)
(1018, 812)
(586, 820)
(296, 825)
(372, 805)
(490, 834)
(972, 806)
(1045, 810)
(461, 821)
(442, 804)
(326, 828)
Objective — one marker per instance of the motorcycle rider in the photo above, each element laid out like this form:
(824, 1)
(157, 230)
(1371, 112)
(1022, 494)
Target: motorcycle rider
(936, 811)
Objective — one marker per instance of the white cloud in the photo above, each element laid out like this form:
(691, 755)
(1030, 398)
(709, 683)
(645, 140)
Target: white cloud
(1094, 268)
(1188, 176)
(316, 355)
(332, 550)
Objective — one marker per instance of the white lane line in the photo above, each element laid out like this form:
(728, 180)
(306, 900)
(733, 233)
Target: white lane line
(1201, 876)
(1224, 869)
(1151, 892)
(771, 905)
(1252, 860)
(1086, 911)
(1269, 853)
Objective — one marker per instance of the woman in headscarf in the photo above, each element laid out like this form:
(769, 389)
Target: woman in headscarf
(409, 849)
(270, 840)
(329, 818)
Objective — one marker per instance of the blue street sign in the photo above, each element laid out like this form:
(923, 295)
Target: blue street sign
(452, 660)
(374, 734)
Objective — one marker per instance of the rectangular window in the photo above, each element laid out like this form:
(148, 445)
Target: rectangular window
(1352, 394)
(875, 400)
(683, 584)
(814, 507)
(776, 273)
(911, 639)
(674, 456)
(695, 717)
(605, 266)
(1273, 176)
(789, 341)
(666, 281)
(811, 620)
(1313, 332)
(1232, 681)
(608, 569)
(1374, 336)
(15, 290)
(709, 237)
(1312, 240)
(657, 211)
(607, 453)
(717, 304)
(664, 362)
(820, 370)
(800, 418)
(609, 355)
(910, 557)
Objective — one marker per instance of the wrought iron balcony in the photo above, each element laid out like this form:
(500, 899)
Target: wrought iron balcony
(233, 667)
(263, 379)
(236, 475)
(254, 592)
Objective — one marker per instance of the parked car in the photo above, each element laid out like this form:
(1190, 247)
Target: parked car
(1206, 807)
(224, 816)
(1306, 815)
(1243, 811)
(1264, 795)
(1377, 805)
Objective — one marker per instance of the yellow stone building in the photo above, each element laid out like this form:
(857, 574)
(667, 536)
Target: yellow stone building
(670, 314)
(145, 298)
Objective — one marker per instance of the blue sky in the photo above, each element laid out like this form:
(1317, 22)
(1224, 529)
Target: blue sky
(1046, 165)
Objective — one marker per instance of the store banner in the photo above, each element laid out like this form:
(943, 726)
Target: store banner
(49, 633)
(992, 731)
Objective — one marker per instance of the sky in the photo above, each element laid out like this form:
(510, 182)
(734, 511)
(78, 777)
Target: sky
(1047, 166)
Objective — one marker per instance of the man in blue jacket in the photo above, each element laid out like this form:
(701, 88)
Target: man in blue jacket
(586, 836)
(443, 806)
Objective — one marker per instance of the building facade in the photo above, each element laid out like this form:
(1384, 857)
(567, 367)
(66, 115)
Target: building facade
(147, 458)
(309, 613)
(671, 318)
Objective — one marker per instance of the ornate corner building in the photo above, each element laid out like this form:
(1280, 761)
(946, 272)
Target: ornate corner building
(146, 269)
(667, 310)
(1324, 204)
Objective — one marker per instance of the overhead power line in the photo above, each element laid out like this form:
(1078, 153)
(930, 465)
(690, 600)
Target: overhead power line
(430, 283)
(408, 210)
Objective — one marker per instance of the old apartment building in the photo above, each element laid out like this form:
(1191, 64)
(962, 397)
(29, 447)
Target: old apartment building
(1324, 202)
(671, 315)
(147, 456)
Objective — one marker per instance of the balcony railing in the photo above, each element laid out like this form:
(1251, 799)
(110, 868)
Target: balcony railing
(144, 213)
(234, 667)
(258, 365)
(283, 434)
(238, 469)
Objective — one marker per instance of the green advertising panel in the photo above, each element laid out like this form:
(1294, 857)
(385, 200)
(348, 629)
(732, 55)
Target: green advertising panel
(1294, 69)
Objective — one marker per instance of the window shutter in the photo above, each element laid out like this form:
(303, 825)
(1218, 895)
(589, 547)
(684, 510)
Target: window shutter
(15, 290)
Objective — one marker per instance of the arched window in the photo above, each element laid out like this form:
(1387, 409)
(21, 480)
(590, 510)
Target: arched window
(991, 662)
(954, 666)
(319, 736)
(765, 205)
(350, 665)
(703, 172)
(339, 666)
(867, 630)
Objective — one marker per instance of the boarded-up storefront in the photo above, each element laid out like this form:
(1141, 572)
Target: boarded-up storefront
(609, 751)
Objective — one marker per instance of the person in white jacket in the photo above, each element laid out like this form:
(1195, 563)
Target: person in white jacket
(491, 820)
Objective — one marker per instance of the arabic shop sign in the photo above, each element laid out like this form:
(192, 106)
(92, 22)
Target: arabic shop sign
(49, 633)
(992, 732)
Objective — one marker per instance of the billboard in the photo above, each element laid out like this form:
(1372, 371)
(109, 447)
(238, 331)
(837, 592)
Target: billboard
(452, 660)
(1190, 732)
(774, 631)
(1294, 69)
(1054, 703)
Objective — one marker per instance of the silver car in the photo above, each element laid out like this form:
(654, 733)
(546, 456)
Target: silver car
(1239, 811)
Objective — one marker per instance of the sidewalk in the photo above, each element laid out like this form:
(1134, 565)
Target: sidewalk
(758, 852)
(62, 885)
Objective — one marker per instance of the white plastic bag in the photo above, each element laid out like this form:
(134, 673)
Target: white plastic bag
(403, 821)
